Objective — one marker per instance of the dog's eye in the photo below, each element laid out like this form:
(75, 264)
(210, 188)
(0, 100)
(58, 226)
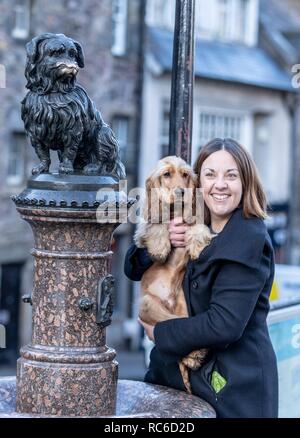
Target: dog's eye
(167, 174)
(72, 53)
(185, 175)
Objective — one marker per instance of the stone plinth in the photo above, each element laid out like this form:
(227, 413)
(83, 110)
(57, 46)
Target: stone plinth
(67, 369)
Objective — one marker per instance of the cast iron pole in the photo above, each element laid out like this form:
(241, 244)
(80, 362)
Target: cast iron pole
(181, 109)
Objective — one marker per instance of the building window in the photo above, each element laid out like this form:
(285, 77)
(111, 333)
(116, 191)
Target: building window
(212, 125)
(21, 28)
(232, 20)
(119, 18)
(16, 159)
(228, 20)
(262, 148)
(161, 13)
(164, 131)
(224, 14)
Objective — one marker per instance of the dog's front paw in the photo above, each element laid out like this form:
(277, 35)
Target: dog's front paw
(197, 237)
(91, 169)
(195, 359)
(42, 167)
(159, 251)
(195, 249)
(66, 167)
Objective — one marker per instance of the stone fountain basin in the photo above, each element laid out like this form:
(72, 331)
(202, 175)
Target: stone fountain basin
(134, 400)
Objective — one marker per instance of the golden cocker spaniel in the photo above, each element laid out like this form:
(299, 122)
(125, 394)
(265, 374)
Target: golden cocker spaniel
(170, 192)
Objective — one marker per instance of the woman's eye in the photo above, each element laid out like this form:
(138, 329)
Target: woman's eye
(232, 175)
(209, 174)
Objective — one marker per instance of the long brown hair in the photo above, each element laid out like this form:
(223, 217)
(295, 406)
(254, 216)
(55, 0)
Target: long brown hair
(254, 201)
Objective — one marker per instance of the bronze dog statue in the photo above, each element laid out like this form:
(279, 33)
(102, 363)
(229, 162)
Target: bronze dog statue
(59, 115)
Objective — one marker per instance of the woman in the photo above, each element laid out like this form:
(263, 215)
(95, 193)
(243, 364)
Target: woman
(227, 291)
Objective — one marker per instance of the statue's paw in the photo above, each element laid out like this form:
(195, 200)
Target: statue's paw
(66, 167)
(40, 168)
(91, 169)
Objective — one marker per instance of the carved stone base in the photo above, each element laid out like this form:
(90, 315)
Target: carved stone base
(66, 389)
(68, 369)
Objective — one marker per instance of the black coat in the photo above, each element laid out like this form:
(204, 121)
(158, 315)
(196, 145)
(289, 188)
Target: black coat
(227, 291)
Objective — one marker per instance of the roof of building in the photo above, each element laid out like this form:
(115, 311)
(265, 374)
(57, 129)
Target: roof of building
(281, 15)
(220, 61)
(280, 26)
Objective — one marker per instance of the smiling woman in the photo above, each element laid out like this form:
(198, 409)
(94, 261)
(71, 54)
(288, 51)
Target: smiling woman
(229, 178)
(226, 290)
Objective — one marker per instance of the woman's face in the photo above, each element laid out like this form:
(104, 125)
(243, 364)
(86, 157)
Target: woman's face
(221, 184)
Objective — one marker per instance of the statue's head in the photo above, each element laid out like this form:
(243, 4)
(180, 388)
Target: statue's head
(53, 61)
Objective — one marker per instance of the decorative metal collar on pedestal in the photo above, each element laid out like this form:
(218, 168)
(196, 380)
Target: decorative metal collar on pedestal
(72, 191)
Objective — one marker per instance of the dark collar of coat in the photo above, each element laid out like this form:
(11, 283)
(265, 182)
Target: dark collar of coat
(241, 240)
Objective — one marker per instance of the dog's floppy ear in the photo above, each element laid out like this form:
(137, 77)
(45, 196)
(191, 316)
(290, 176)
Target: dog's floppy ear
(152, 201)
(32, 46)
(80, 55)
(190, 199)
(193, 181)
(32, 50)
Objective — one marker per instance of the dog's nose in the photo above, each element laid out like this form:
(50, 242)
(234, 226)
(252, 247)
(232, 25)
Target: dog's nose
(179, 192)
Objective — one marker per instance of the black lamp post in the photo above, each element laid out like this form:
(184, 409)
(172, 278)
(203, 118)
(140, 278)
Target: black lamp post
(181, 110)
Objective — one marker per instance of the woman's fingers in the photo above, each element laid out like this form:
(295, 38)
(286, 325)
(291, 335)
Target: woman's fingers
(177, 225)
(178, 244)
(177, 229)
(177, 221)
(177, 240)
(177, 237)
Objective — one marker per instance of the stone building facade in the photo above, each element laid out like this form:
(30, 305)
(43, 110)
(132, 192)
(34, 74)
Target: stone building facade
(280, 29)
(111, 33)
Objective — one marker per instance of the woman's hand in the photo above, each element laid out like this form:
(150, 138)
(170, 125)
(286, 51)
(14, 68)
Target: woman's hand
(149, 329)
(177, 229)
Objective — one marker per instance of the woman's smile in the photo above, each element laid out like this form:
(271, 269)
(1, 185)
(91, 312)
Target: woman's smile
(219, 197)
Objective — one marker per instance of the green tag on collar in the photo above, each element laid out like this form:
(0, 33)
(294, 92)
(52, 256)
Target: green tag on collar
(217, 381)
